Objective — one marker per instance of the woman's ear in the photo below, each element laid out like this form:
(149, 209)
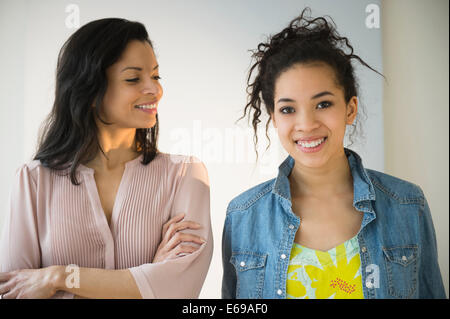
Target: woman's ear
(273, 120)
(352, 110)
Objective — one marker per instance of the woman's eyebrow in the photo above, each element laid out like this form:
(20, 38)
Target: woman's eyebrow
(312, 98)
(136, 68)
(321, 94)
(285, 100)
(132, 68)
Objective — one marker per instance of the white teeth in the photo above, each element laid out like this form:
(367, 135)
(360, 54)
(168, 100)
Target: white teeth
(312, 143)
(146, 106)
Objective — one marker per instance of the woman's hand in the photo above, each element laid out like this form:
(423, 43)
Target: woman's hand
(172, 243)
(29, 283)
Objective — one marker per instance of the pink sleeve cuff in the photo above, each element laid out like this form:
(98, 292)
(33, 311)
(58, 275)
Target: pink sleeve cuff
(142, 283)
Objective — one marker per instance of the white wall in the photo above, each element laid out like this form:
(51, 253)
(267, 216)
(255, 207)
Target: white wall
(202, 49)
(416, 103)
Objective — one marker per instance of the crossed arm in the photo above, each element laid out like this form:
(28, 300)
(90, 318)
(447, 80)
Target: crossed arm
(45, 282)
(98, 283)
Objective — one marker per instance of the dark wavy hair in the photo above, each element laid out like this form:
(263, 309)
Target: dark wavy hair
(69, 134)
(305, 40)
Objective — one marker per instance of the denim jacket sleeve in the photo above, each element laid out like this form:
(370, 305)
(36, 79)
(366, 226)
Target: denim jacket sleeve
(229, 273)
(430, 280)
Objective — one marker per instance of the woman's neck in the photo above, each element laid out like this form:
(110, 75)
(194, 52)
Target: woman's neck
(330, 180)
(118, 148)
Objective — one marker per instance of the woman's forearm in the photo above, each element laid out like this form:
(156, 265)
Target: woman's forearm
(96, 283)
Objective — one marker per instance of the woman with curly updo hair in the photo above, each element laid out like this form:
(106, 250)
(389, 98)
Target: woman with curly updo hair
(325, 227)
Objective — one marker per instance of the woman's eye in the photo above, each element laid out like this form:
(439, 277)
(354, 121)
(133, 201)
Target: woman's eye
(132, 80)
(157, 77)
(324, 105)
(287, 110)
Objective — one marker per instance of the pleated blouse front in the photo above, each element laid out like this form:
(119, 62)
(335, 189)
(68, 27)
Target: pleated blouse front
(53, 222)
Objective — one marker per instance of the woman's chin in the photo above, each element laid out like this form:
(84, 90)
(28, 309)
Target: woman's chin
(147, 125)
(311, 160)
(312, 164)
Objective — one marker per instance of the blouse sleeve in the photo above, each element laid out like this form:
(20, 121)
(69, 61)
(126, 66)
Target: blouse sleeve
(19, 245)
(183, 277)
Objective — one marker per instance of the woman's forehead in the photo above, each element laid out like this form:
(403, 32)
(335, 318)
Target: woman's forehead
(136, 54)
(306, 78)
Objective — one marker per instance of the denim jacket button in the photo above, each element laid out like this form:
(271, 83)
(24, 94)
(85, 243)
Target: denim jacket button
(242, 263)
(283, 256)
(404, 258)
(369, 284)
(279, 292)
(291, 226)
(363, 249)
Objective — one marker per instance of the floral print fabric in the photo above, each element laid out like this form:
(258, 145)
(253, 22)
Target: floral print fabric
(334, 274)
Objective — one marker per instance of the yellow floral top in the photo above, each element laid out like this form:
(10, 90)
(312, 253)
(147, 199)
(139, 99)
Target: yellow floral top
(334, 274)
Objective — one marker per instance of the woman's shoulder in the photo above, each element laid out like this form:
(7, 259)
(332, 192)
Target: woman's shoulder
(30, 172)
(396, 188)
(249, 197)
(182, 165)
(177, 159)
(30, 167)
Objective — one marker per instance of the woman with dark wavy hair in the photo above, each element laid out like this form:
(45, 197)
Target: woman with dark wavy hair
(131, 222)
(326, 227)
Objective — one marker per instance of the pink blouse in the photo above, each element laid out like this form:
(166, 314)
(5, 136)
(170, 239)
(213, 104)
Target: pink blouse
(53, 222)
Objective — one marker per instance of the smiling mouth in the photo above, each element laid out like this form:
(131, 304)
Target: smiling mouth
(146, 106)
(311, 144)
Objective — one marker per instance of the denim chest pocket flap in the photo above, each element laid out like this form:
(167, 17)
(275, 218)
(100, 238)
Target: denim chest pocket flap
(403, 255)
(250, 269)
(243, 261)
(401, 266)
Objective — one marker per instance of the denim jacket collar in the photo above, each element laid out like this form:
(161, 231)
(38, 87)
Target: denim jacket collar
(281, 186)
(362, 186)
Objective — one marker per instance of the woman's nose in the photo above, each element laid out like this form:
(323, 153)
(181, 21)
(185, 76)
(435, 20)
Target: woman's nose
(152, 87)
(306, 121)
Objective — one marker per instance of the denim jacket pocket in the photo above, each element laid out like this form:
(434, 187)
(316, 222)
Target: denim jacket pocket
(250, 268)
(401, 266)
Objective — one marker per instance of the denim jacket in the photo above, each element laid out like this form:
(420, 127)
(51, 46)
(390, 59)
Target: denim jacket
(397, 240)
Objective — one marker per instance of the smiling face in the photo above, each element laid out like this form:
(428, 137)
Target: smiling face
(133, 91)
(310, 114)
